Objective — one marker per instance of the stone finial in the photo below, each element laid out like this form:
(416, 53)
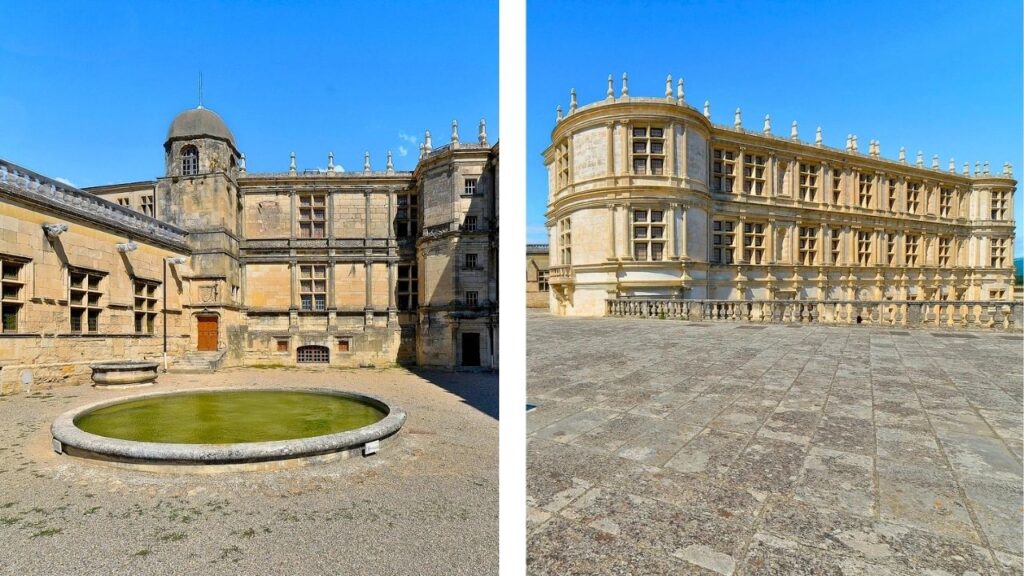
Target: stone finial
(853, 143)
(986, 168)
(878, 149)
(427, 146)
(903, 155)
(611, 88)
(481, 136)
(241, 163)
(849, 142)
(767, 124)
(330, 161)
(793, 134)
(625, 86)
(668, 88)
(967, 169)
(455, 131)
(422, 151)
(817, 137)
(1008, 170)
(680, 92)
(952, 166)
(977, 168)
(919, 162)
(366, 162)
(558, 113)
(572, 101)
(390, 168)
(707, 109)
(935, 162)
(291, 166)
(737, 120)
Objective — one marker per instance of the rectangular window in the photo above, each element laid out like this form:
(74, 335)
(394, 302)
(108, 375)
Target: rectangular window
(282, 345)
(562, 165)
(722, 241)
(913, 197)
(723, 171)
(344, 345)
(996, 294)
(471, 298)
(407, 214)
(753, 242)
(313, 287)
(890, 248)
(1000, 205)
(469, 187)
(565, 240)
(837, 245)
(648, 235)
(312, 215)
(837, 185)
(891, 186)
(648, 150)
(145, 307)
(999, 251)
(12, 292)
(945, 248)
(945, 202)
(808, 182)
(542, 281)
(470, 224)
(408, 287)
(864, 191)
(147, 206)
(808, 245)
(864, 248)
(84, 299)
(753, 174)
(469, 262)
(126, 202)
(913, 242)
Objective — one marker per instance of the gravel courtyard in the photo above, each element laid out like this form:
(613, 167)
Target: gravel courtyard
(664, 447)
(427, 504)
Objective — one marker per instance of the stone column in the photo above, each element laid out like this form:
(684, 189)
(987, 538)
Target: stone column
(825, 245)
(769, 241)
(670, 150)
(844, 246)
(612, 252)
(771, 169)
(624, 235)
(683, 251)
(737, 185)
(610, 149)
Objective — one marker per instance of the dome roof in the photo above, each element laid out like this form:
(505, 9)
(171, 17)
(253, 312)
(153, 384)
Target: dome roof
(199, 122)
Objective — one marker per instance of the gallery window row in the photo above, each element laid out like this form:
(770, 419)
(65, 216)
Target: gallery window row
(314, 282)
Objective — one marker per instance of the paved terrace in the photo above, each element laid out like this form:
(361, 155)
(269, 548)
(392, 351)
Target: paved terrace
(426, 504)
(666, 447)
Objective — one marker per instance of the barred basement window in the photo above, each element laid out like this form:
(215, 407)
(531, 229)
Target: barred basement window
(864, 248)
(722, 241)
(313, 287)
(11, 294)
(189, 160)
(890, 248)
(944, 250)
(469, 262)
(471, 297)
(753, 242)
(945, 202)
(1000, 205)
(312, 355)
(145, 307)
(407, 215)
(912, 244)
(753, 174)
(408, 287)
(648, 150)
(837, 245)
(469, 187)
(542, 281)
(893, 197)
(147, 206)
(864, 191)
(837, 185)
(562, 165)
(565, 240)
(312, 215)
(808, 182)
(723, 171)
(913, 197)
(808, 245)
(470, 224)
(999, 251)
(84, 299)
(648, 235)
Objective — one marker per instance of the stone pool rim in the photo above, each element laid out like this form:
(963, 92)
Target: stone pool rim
(71, 440)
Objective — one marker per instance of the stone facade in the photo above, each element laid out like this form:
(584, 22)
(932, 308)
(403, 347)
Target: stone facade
(537, 270)
(649, 199)
(324, 266)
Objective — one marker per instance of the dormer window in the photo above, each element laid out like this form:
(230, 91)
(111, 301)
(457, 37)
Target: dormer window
(189, 161)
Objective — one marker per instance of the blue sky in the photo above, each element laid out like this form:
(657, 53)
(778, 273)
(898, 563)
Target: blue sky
(941, 77)
(90, 90)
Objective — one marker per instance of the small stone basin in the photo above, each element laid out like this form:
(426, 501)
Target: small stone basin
(124, 374)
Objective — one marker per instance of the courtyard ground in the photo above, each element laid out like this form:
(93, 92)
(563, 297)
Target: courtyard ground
(426, 504)
(665, 447)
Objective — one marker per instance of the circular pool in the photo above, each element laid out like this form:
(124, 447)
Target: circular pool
(227, 426)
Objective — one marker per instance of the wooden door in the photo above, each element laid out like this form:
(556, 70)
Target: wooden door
(207, 333)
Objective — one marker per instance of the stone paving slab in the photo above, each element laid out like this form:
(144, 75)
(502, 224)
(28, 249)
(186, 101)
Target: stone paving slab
(660, 448)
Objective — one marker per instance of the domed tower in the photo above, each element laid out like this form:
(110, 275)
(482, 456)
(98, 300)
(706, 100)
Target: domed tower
(199, 192)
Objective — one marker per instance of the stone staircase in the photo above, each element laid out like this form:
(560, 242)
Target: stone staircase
(198, 363)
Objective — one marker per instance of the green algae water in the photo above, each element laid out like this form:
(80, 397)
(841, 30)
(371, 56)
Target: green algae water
(228, 417)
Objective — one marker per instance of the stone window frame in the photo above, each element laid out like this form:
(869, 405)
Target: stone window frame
(407, 287)
(147, 206)
(754, 235)
(837, 185)
(85, 299)
(723, 170)
(997, 252)
(945, 249)
(996, 294)
(565, 240)
(809, 174)
(836, 247)
(912, 249)
(343, 345)
(999, 203)
(891, 251)
(471, 297)
(406, 214)
(313, 354)
(125, 201)
(313, 287)
(542, 281)
(470, 224)
(945, 202)
(12, 292)
(893, 193)
(562, 165)
(282, 345)
(312, 215)
(647, 234)
(189, 160)
(864, 247)
(647, 150)
(469, 186)
(754, 170)
(144, 305)
(723, 241)
(807, 250)
(865, 189)
(914, 196)
(469, 261)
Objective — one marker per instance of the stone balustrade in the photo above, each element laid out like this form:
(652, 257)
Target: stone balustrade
(905, 313)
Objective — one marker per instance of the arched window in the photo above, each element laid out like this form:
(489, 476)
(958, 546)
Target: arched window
(313, 355)
(189, 160)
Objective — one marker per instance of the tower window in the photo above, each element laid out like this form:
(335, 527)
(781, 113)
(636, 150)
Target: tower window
(723, 170)
(408, 287)
(469, 187)
(407, 214)
(312, 215)
(189, 160)
(648, 150)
